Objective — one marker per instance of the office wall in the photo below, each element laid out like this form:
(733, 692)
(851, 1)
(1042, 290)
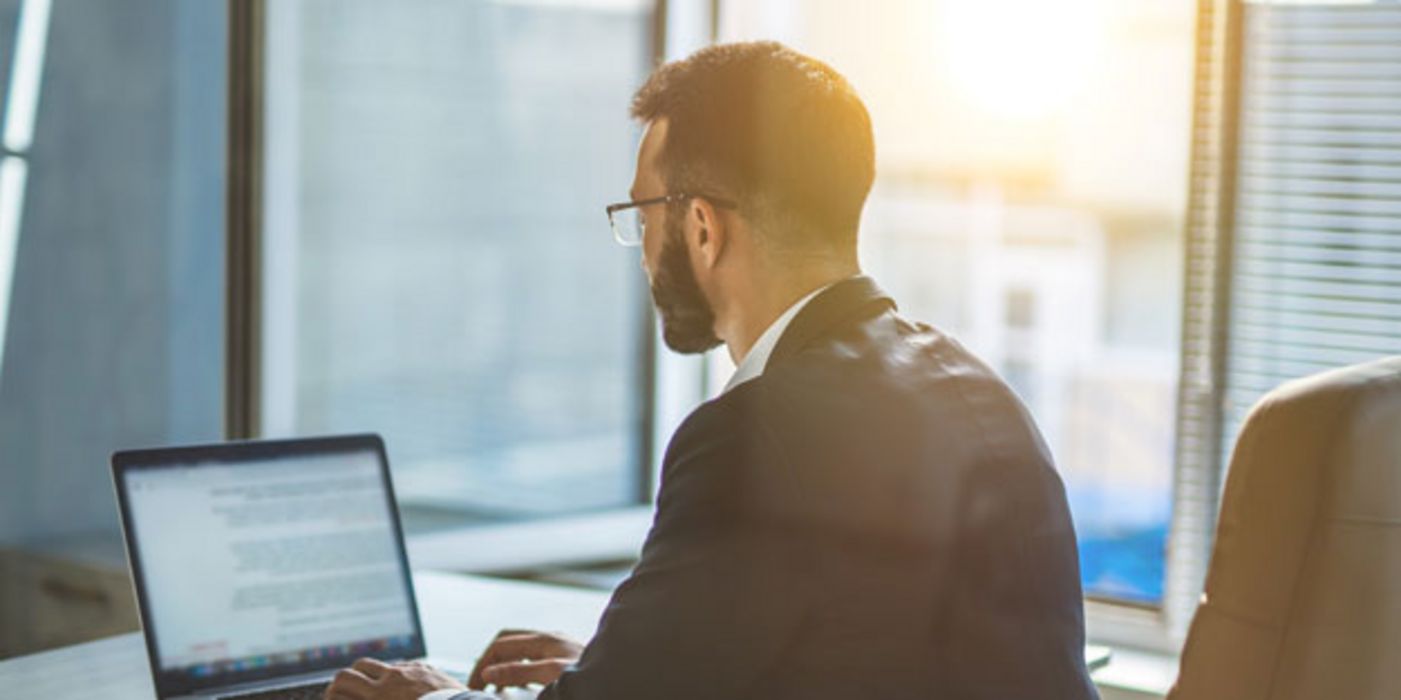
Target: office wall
(115, 335)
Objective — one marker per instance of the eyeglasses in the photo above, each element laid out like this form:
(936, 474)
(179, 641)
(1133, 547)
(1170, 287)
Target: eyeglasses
(628, 221)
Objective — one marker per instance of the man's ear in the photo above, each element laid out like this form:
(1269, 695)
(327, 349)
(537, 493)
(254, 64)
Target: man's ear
(707, 233)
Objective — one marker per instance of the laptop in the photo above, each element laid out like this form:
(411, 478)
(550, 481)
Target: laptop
(262, 568)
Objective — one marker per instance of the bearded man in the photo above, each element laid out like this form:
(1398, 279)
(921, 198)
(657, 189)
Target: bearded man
(867, 511)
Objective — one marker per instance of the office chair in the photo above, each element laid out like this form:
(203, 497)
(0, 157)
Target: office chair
(1303, 595)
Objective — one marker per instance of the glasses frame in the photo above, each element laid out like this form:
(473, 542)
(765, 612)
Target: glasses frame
(612, 209)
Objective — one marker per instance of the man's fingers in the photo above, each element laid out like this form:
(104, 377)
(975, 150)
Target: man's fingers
(528, 646)
(524, 672)
(352, 684)
(511, 645)
(372, 668)
(474, 680)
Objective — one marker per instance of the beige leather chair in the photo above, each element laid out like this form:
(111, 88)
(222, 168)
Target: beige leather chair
(1303, 597)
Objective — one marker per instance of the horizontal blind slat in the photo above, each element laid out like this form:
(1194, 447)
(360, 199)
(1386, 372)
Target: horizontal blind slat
(1257, 151)
(1286, 218)
(1270, 230)
(1279, 86)
(1325, 356)
(1336, 69)
(1274, 333)
(1271, 281)
(1320, 203)
(1301, 136)
(1281, 185)
(1264, 118)
(1318, 306)
(1272, 99)
(1265, 164)
(1387, 328)
(1272, 249)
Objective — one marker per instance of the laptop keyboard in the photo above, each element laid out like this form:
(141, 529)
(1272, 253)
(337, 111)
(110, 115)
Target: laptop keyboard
(311, 691)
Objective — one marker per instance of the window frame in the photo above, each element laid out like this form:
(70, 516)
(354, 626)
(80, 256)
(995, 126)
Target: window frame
(243, 230)
(1198, 466)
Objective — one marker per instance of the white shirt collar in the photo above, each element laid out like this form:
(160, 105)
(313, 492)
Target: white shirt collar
(758, 356)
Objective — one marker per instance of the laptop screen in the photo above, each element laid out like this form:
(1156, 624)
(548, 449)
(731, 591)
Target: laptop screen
(256, 560)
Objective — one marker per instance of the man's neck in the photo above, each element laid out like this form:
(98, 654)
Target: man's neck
(752, 316)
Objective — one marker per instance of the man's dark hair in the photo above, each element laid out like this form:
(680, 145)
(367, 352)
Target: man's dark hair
(783, 134)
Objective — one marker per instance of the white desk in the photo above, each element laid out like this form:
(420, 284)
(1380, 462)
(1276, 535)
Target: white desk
(460, 616)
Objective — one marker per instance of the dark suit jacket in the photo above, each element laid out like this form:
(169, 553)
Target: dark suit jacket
(875, 516)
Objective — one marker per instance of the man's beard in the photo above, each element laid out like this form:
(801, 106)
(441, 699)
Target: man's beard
(688, 322)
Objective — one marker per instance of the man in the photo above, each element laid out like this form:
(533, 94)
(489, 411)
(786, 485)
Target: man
(867, 511)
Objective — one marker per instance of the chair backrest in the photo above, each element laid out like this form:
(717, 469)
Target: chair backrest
(1303, 596)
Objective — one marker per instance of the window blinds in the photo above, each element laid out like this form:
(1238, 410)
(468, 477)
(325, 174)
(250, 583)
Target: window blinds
(1293, 250)
(1316, 261)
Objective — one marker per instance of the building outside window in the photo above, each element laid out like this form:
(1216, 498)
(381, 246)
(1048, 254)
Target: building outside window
(1031, 182)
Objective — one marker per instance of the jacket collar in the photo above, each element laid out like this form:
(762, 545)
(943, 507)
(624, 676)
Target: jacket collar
(836, 304)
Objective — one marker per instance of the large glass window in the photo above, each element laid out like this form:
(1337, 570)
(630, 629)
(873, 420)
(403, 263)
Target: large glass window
(1031, 179)
(437, 264)
(111, 285)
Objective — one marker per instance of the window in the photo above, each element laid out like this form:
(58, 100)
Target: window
(437, 263)
(1031, 183)
(111, 278)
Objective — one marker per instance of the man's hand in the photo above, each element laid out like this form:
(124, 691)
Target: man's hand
(369, 679)
(521, 657)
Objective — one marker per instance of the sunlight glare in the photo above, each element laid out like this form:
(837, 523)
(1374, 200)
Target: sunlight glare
(1020, 59)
